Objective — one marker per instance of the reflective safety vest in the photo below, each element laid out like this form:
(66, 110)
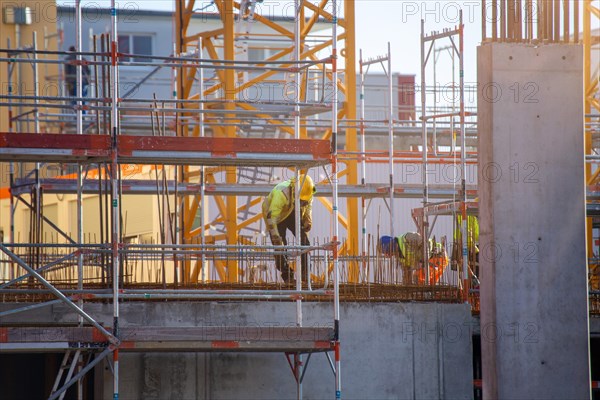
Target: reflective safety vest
(279, 204)
(472, 230)
(437, 264)
(410, 249)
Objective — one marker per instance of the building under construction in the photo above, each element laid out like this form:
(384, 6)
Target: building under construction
(455, 237)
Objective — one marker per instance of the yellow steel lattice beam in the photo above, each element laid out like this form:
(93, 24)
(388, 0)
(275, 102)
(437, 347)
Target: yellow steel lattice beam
(230, 85)
(591, 84)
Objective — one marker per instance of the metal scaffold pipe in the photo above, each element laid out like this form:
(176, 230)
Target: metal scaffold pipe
(424, 144)
(297, 185)
(169, 62)
(457, 206)
(391, 137)
(334, 172)
(57, 293)
(11, 166)
(201, 123)
(363, 162)
(79, 114)
(105, 106)
(298, 365)
(91, 294)
(463, 160)
(115, 235)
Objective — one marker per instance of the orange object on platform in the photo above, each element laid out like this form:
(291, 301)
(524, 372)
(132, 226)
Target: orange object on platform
(437, 265)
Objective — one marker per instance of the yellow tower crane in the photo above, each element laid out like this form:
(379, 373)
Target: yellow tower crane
(228, 86)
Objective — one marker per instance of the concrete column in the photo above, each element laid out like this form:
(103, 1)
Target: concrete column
(534, 309)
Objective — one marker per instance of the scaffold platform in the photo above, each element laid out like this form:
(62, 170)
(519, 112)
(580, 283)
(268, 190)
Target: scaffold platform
(169, 339)
(149, 187)
(206, 151)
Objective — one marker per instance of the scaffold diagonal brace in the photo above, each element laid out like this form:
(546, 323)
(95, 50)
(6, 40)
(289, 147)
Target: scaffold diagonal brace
(46, 220)
(82, 373)
(331, 364)
(44, 268)
(56, 292)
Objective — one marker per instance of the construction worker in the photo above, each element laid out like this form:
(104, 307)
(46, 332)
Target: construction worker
(410, 251)
(247, 8)
(408, 248)
(71, 75)
(472, 246)
(279, 215)
(472, 230)
(438, 261)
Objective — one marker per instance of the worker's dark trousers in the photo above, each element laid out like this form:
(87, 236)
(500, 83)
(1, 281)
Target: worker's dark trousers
(280, 260)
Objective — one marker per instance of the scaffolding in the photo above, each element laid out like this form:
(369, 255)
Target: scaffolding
(364, 66)
(54, 150)
(457, 207)
(190, 265)
(196, 152)
(102, 269)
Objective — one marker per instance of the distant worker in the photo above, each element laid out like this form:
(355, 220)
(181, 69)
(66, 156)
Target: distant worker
(279, 215)
(438, 261)
(472, 246)
(247, 8)
(408, 250)
(71, 76)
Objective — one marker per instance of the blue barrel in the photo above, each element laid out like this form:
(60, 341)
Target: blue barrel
(388, 245)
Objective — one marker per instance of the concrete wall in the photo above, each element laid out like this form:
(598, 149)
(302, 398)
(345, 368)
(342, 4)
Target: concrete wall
(389, 351)
(532, 213)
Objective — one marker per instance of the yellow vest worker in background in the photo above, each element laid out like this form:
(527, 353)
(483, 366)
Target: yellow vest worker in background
(279, 215)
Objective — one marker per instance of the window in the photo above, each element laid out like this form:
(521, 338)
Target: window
(136, 44)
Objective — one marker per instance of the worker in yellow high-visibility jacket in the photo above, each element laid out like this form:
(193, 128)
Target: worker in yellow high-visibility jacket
(472, 230)
(472, 246)
(279, 216)
(410, 252)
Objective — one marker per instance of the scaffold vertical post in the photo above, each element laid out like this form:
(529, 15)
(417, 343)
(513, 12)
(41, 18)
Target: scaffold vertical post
(463, 160)
(36, 88)
(363, 167)
(79, 202)
(424, 176)
(178, 220)
(114, 125)
(298, 184)
(203, 267)
(391, 137)
(11, 165)
(36, 127)
(334, 133)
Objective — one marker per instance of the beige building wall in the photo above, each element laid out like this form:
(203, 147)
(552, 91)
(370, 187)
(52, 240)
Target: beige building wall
(43, 21)
(140, 216)
(140, 225)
